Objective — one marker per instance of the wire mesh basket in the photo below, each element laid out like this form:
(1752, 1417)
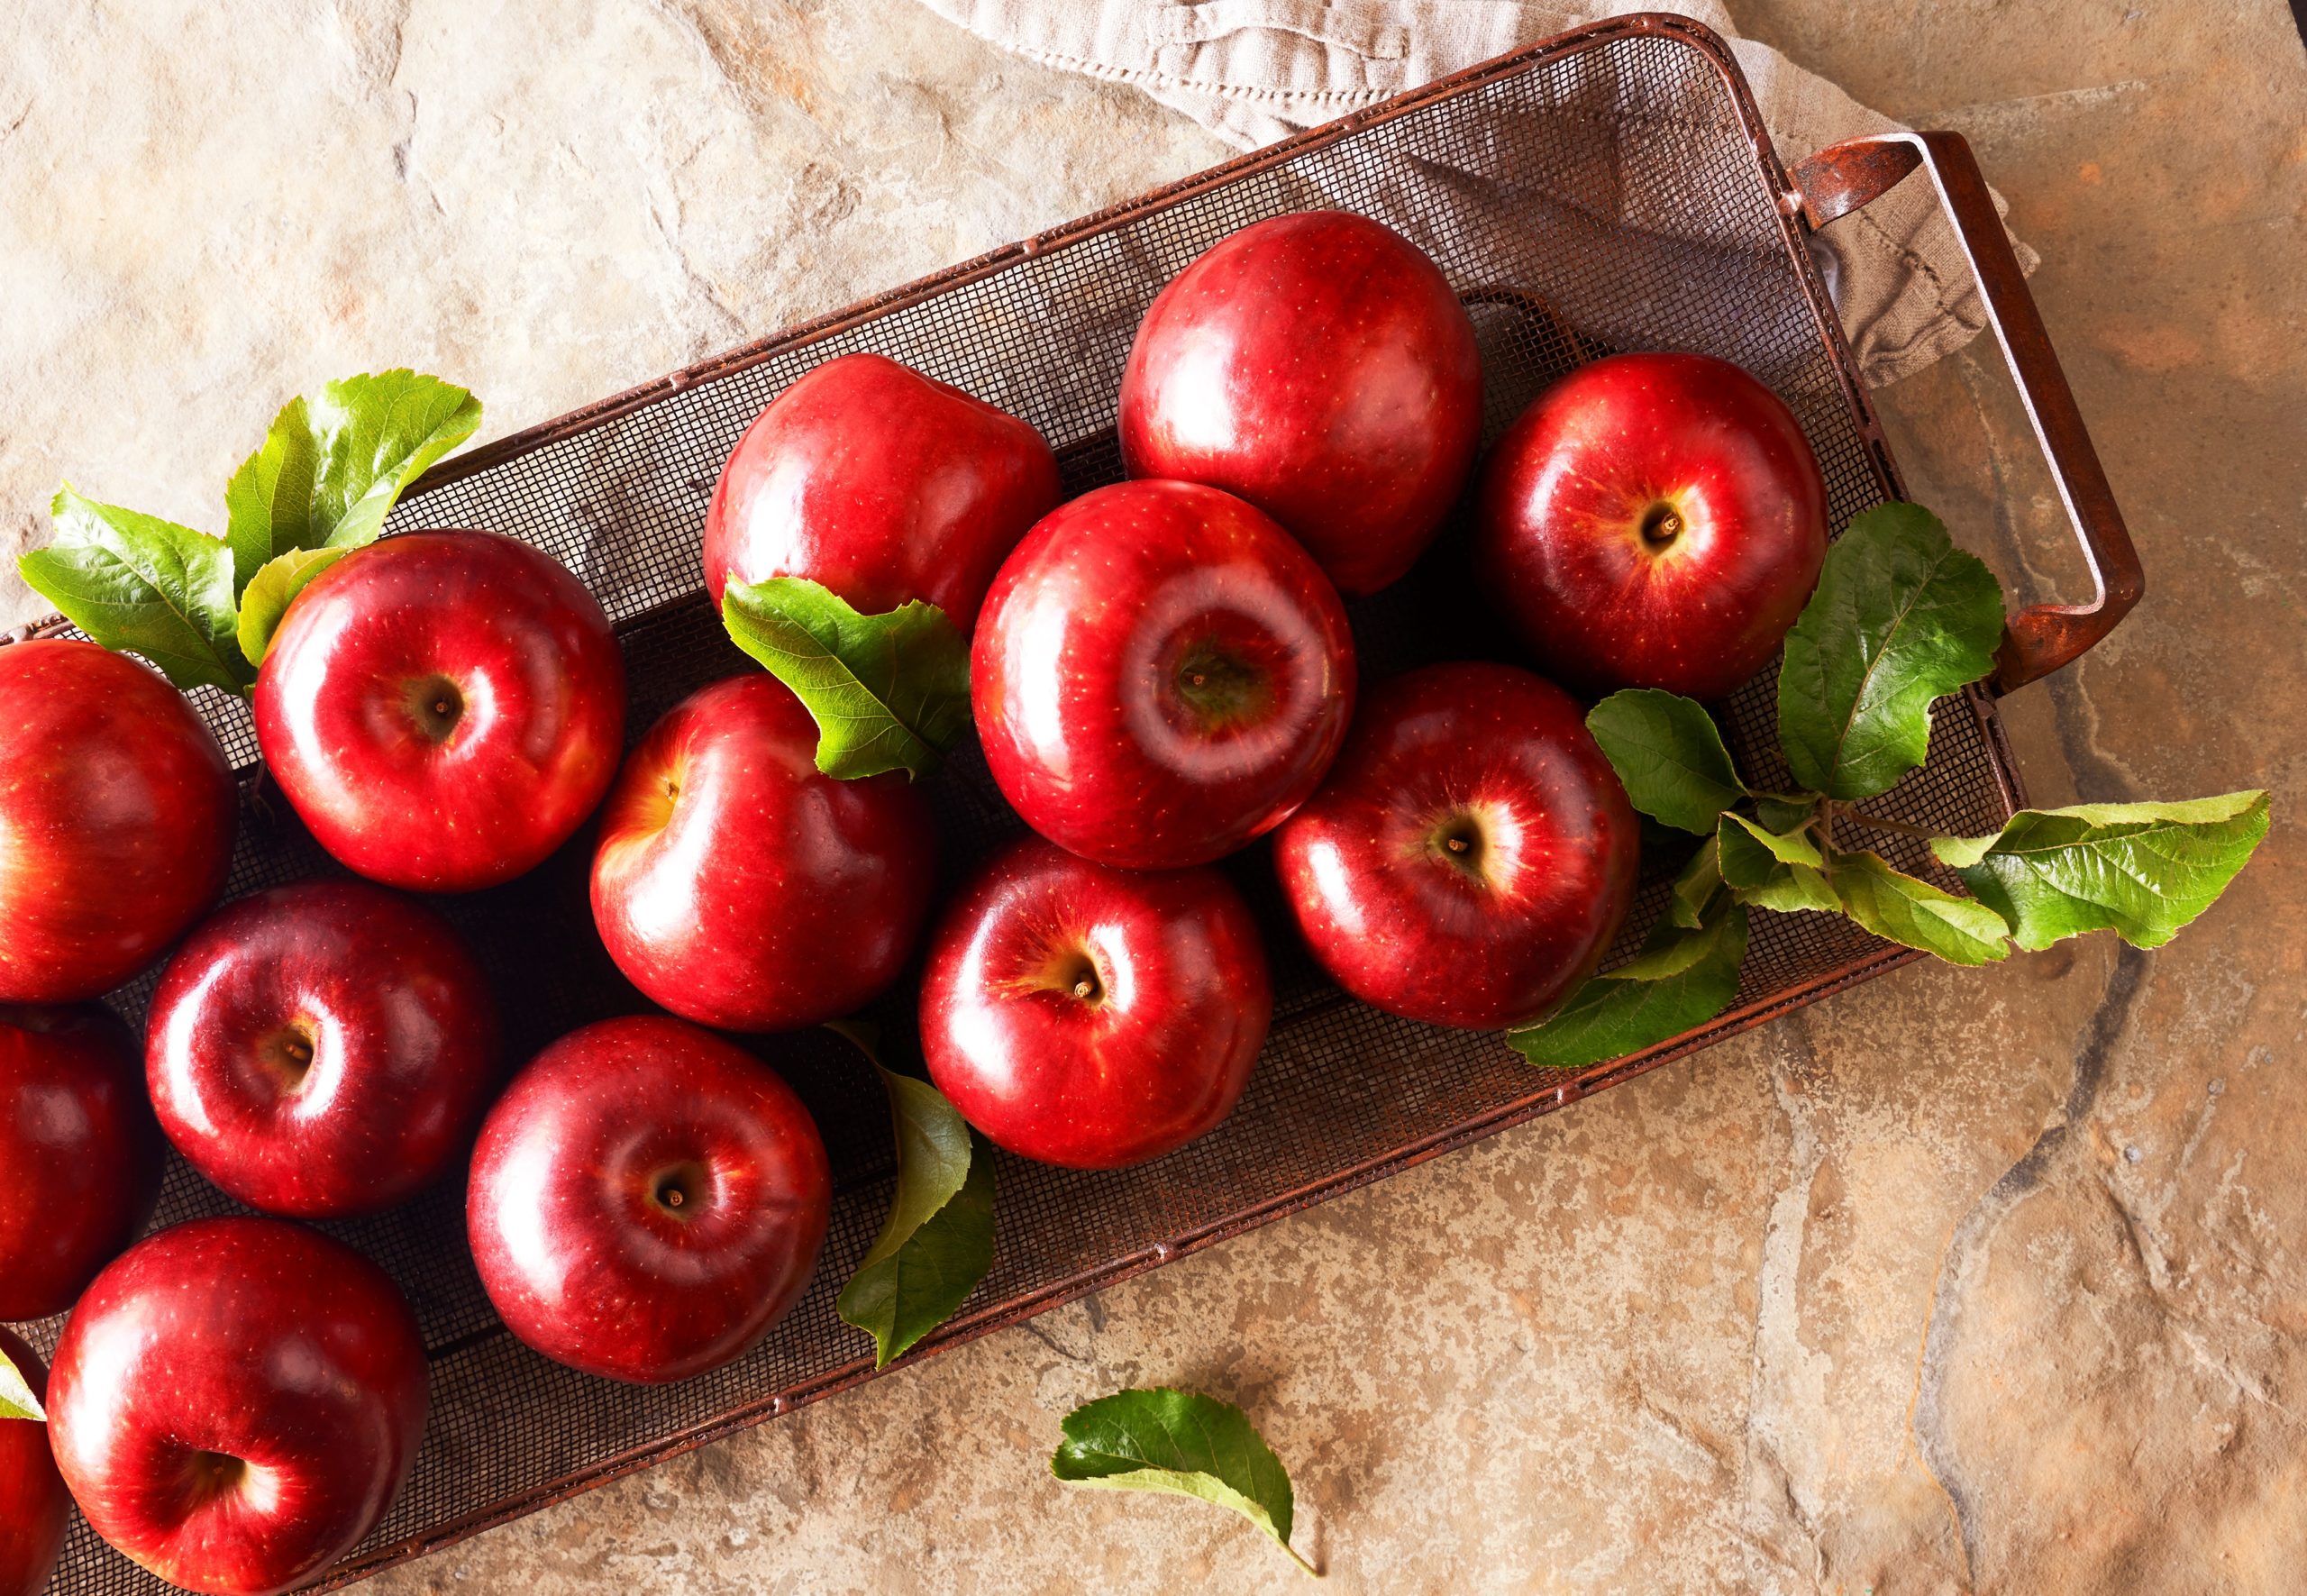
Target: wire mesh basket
(1612, 188)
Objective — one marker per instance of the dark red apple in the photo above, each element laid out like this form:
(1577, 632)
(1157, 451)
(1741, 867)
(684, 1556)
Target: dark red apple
(1091, 1016)
(80, 1154)
(116, 812)
(1320, 367)
(442, 708)
(738, 886)
(1159, 675)
(1471, 854)
(321, 1050)
(1653, 521)
(882, 484)
(34, 1507)
(236, 1403)
(647, 1200)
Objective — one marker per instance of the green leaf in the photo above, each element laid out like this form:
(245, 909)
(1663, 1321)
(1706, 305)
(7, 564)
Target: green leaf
(1900, 617)
(1682, 980)
(276, 586)
(333, 464)
(1669, 757)
(937, 1242)
(1784, 812)
(1184, 1444)
(1959, 930)
(888, 692)
(1695, 887)
(17, 1399)
(135, 582)
(1774, 871)
(2141, 871)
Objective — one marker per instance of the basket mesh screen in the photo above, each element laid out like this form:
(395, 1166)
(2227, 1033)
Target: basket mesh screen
(1608, 198)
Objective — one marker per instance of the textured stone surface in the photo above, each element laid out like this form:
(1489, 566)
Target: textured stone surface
(1957, 1282)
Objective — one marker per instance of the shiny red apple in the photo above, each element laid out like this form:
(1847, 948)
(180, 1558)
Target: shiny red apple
(738, 886)
(1160, 674)
(882, 484)
(1319, 366)
(1471, 854)
(236, 1403)
(34, 1507)
(116, 814)
(80, 1154)
(1653, 521)
(1091, 1017)
(442, 708)
(647, 1200)
(321, 1050)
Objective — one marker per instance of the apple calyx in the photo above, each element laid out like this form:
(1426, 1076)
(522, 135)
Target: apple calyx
(434, 707)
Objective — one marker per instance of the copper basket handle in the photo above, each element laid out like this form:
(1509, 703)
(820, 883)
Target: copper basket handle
(1839, 179)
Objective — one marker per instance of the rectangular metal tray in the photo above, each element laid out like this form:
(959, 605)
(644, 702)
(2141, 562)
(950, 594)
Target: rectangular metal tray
(1610, 189)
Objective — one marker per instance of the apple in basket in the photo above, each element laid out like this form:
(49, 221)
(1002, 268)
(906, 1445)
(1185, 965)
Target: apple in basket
(236, 1403)
(116, 817)
(322, 1049)
(881, 483)
(1653, 521)
(442, 708)
(79, 1154)
(1160, 674)
(35, 1509)
(1471, 854)
(1091, 1017)
(740, 886)
(1319, 366)
(647, 1200)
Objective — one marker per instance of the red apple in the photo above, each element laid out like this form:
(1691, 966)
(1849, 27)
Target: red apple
(236, 1403)
(1471, 854)
(321, 1050)
(738, 886)
(647, 1200)
(116, 812)
(442, 708)
(1653, 521)
(1091, 1016)
(882, 484)
(1159, 675)
(80, 1154)
(1319, 366)
(35, 1510)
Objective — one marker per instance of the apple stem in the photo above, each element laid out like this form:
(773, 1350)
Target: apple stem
(1456, 844)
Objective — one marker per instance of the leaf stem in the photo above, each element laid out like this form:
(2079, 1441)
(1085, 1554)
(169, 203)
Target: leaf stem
(1899, 826)
(1312, 1571)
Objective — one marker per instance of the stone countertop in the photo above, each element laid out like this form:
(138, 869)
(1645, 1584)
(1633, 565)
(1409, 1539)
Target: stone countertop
(1955, 1281)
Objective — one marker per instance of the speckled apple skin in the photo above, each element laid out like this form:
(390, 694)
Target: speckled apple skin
(884, 484)
(542, 683)
(1319, 366)
(1558, 539)
(581, 1262)
(35, 1510)
(1074, 669)
(258, 1340)
(403, 1032)
(1160, 1059)
(764, 895)
(1399, 926)
(79, 1154)
(118, 812)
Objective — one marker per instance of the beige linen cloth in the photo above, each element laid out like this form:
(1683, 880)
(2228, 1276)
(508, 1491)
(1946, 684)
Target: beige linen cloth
(1253, 71)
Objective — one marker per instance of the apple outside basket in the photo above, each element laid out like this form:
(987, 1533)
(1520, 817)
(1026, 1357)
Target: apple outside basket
(1610, 189)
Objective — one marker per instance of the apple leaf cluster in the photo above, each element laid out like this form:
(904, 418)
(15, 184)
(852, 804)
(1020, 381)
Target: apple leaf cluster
(1899, 619)
(1182, 1443)
(203, 608)
(888, 692)
(937, 1242)
(17, 1397)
